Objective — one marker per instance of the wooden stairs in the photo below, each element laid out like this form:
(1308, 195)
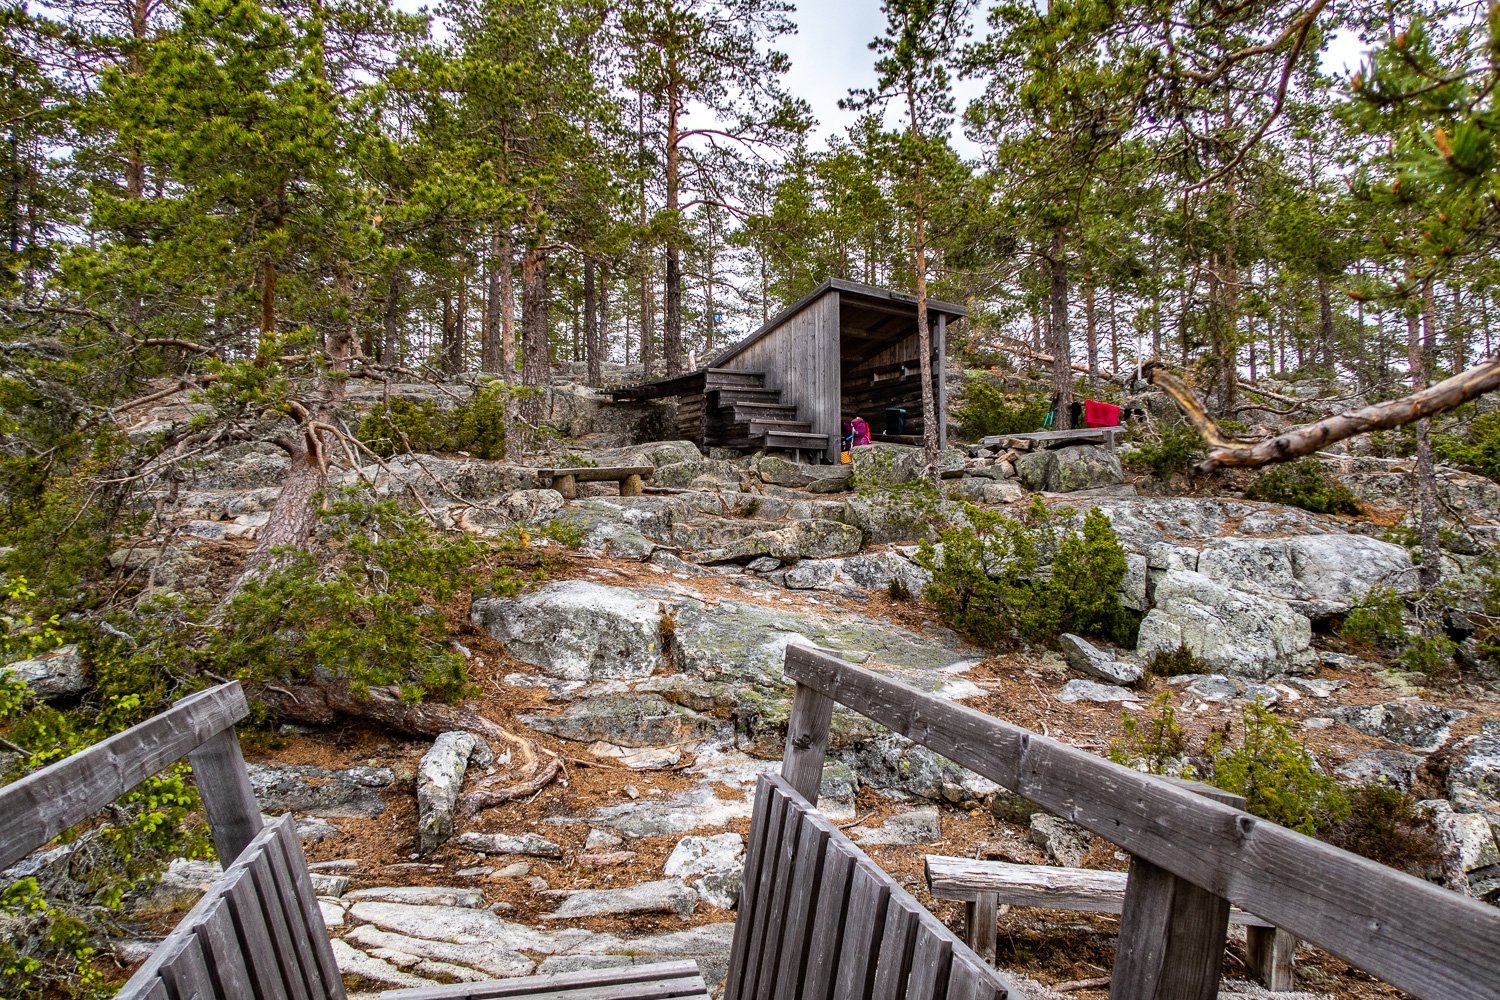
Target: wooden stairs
(721, 407)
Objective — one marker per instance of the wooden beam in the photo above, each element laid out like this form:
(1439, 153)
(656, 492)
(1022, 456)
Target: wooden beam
(44, 804)
(228, 800)
(1426, 940)
(807, 734)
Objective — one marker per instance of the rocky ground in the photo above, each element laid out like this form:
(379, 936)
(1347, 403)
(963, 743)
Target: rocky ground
(650, 659)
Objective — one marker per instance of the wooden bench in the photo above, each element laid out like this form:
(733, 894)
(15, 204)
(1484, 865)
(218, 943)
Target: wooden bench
(1192, 855)
(983, 886)
(257, 933)
(1030, 439)
(565, 481)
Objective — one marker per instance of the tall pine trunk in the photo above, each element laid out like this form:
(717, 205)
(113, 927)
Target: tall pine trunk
(1062, 353)
(507, 308)
(390, 348)
(536, 364)
(591, 338)
(930, 416)
(1432, 567)
(489, 346)
(1093, 334)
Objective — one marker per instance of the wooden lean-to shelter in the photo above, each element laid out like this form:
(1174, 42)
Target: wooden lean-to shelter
(843, 350)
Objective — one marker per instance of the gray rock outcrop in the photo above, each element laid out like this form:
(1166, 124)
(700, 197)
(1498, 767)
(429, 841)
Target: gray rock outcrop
(1232, 631)
(1087, 658)
(1068, 470)
(52, 675)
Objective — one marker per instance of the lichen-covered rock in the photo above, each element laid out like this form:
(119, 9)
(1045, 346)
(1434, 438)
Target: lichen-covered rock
(576, 630)
(682, 474)
(1416, 725)
(319, 791)
(1066, 842)
(1230, 630)
(1083, 690)
(891, 517)
(695, 856)
(1335, 570)
(784, 472)
(632, 720)
(502, 843)
(57, 673)
(439, 777)
(811, 539)
(895, 763)
(1087, 658)
(1474, 775)
(665, 896)
(1068, 470)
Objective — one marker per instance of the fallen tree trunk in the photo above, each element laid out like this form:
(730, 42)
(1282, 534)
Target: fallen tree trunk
(532, 765)
(1308, 438)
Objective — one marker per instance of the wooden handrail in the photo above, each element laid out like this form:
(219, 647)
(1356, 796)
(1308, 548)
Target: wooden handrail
(42, 805)
(1426, 940)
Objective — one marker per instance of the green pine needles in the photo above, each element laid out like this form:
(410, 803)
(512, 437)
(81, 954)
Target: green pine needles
(1004, 580)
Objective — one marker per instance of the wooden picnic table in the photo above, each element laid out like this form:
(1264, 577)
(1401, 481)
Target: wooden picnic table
(1105, 435)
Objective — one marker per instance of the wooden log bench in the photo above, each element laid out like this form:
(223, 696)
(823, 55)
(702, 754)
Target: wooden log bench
(984, 886)
(630, 478)
(1048, 439)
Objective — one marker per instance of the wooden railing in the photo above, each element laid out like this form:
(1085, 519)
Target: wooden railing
(42, 805)
(1192, 856)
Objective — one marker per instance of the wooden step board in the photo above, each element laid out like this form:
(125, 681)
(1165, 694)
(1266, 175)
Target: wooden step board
(790, 441)
(658, 981)
(739, 413)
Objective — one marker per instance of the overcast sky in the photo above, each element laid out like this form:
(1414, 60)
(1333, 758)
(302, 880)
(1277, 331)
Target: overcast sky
(830, 54)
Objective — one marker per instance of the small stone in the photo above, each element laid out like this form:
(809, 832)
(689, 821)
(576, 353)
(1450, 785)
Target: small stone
(341, 865)
(519, 869)
(328, 885)
(763, 564)
(664, 896)
(605, 859)
(600, 839)
(1066, 842)
(1216, 687)
(638, 758)
(537, 884)
(920, 826)
(501, 843)
(478, 871)
(418, 895)
(1080, 690)
(1087, 658)
(439, 777)
(1319, 723)
(632, 791)
(721, 889)
(694, 856)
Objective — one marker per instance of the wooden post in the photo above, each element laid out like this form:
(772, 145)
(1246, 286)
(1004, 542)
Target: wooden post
(567, 486)
(807, 734)
(630, 486)
(228, 799)
(1273, 955)
(980, 919)
(1171, 943)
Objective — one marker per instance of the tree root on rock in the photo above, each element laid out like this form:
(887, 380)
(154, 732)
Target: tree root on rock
(324, 704)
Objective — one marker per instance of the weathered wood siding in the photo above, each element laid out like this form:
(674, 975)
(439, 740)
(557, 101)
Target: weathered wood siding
(800, 357)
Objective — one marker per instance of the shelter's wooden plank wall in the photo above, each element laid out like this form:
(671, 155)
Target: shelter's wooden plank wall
(801, 359)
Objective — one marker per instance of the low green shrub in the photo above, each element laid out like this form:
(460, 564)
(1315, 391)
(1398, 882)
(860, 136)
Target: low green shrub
(1385, 825)
(1302, 484)
(477, 427)
(1479, 453)
(989, 411)
(1175, 453)
(1174, 663)
(1001, 579)
(1275, 773)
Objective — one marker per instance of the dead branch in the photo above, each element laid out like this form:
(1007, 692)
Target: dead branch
(1305, 440)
